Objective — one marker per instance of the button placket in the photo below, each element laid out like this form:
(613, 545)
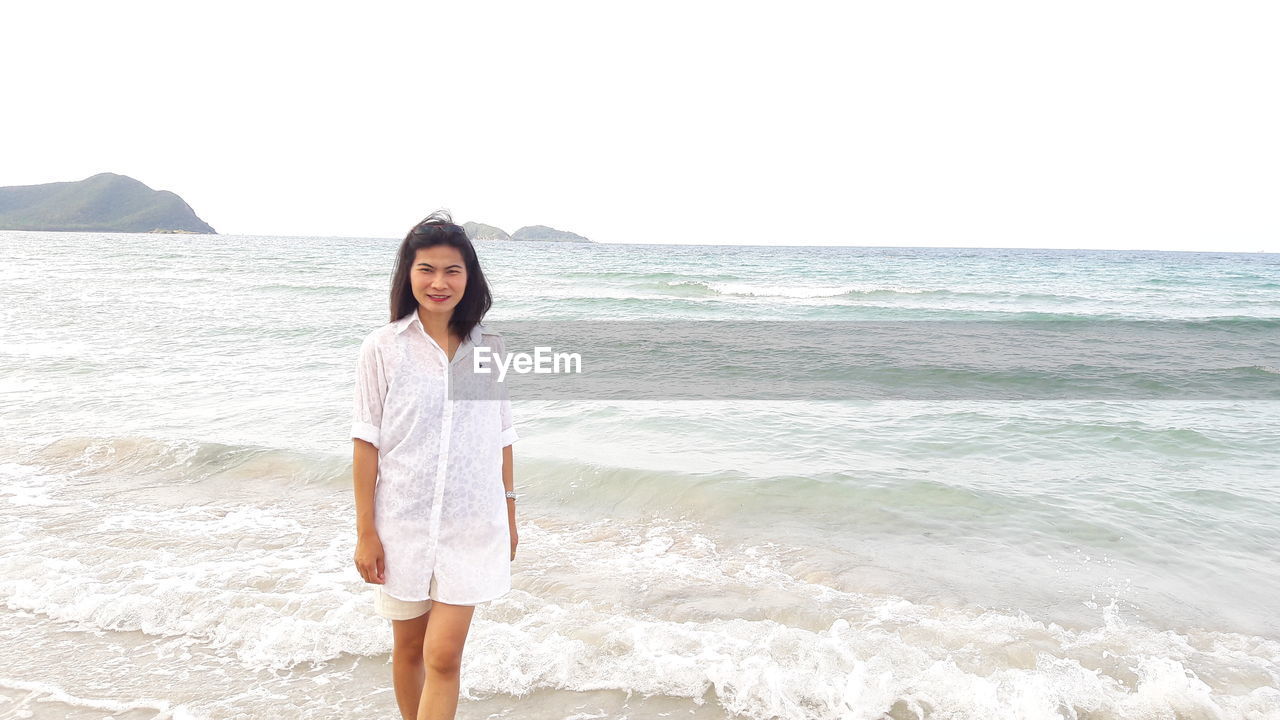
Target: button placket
(442, 463)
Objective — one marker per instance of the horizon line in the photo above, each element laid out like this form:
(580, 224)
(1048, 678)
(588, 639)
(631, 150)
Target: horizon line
(661, 244)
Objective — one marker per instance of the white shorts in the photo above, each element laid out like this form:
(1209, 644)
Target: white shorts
(393, 608)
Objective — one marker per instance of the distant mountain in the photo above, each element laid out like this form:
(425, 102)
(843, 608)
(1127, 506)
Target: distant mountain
(105, 202)
(480, 231)
(542, 232)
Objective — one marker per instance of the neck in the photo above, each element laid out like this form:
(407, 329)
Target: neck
(435, 324)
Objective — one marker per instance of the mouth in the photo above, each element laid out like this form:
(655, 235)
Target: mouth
(438, 298)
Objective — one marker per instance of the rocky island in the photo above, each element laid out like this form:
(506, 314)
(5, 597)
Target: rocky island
(106, 202)
(480, 231)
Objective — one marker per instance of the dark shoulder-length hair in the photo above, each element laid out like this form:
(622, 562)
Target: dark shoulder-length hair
(439, 229)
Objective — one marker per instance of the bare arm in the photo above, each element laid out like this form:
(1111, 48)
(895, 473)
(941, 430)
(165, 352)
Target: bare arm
(364, 470)
(508, 482)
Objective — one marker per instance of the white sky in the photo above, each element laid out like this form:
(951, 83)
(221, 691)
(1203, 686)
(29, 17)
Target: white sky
(982, 124)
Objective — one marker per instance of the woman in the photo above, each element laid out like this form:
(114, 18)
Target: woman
(432, 458)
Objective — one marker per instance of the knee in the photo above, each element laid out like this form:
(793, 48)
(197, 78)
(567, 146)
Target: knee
(407, 652)
(444, 661)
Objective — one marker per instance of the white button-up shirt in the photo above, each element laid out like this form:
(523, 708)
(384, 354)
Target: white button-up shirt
(440, 507)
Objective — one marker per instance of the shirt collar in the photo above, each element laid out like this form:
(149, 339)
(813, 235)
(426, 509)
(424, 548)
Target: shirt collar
(412, 318)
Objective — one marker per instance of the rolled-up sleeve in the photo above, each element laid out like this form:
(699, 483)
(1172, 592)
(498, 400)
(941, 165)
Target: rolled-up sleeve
(508, 434)
(371, 392)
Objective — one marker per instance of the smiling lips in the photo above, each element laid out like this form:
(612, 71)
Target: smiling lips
(438, 298)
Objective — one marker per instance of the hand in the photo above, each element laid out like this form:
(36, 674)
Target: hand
(369, 559)
(515, 540)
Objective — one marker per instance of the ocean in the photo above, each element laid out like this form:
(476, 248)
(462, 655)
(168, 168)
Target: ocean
(178, 526)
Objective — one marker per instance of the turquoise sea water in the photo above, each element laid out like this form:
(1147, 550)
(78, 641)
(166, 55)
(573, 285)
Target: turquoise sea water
(175, 491)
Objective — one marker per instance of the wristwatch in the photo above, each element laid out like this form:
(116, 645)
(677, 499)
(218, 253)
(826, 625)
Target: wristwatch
(511, 495)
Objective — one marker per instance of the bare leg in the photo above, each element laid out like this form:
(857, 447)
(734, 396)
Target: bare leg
(446, 634)
(408, 671)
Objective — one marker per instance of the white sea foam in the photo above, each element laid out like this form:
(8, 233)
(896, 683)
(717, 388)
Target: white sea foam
(25, 698)
(654, 608)
(986, 665)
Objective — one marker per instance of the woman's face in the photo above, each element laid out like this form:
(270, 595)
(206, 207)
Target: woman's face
(438, 277)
